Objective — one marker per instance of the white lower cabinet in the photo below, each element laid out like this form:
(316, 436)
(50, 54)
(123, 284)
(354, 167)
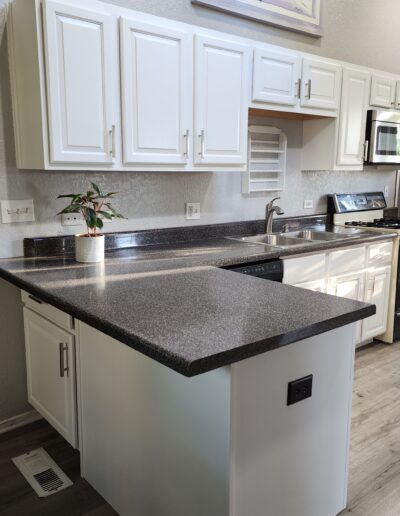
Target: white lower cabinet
(50, 360)
(350, 286)
(362, 273)
(377, 292)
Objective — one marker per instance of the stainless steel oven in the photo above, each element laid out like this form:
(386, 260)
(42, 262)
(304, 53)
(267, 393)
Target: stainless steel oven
(382, 137)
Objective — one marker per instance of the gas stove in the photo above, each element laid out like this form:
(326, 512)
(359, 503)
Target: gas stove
(365, 211)
(385, 223)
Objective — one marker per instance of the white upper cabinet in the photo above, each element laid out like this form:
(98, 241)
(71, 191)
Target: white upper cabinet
(221, 98)
(157, 92)
(354, 104)
(383, 91)
(321, 84)
(276, 77)
(81, 70)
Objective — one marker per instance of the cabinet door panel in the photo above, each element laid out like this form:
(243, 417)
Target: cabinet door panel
(221, 112)
(81, 60)
(383, 91)
(353, 117)
(52, 395)
(157, 89)
(316, 286)
(321, 84)
(276, 77)
(349, 286)
(377, 292)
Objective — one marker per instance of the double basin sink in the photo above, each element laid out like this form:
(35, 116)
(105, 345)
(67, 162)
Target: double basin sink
(301, 237)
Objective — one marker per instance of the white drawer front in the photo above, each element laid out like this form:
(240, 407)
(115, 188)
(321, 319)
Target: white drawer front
(304, 269)
(346, 261)
(49, 312)
(380, 254)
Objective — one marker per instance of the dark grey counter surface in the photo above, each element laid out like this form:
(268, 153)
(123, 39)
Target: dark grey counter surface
(171, 303)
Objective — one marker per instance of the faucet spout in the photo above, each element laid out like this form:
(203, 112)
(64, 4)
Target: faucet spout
(269, 214)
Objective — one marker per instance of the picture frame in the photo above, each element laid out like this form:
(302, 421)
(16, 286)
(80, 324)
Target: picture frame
(297, 15)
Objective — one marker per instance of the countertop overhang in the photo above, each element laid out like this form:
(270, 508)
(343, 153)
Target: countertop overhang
(173, 303)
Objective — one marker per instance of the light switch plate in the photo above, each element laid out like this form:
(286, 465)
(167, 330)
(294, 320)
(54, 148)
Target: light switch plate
(17, 211)
(192, 210)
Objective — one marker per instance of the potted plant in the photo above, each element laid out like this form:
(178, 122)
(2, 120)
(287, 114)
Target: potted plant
(93, 206)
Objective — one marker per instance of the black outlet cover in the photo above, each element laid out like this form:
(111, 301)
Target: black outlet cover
(299, 390)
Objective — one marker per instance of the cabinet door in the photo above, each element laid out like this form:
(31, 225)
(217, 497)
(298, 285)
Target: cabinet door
(157, 86)
(276, 77)
(81, 61)
(377, 292)
(353, 109)
(221, 98)
(321, 84)
(383, 91)
(349, 286)
(50, 361)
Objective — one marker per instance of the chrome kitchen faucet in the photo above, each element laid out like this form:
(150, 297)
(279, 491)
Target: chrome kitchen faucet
(269, 213)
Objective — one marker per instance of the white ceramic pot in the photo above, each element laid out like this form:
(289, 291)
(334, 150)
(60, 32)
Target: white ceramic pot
(89, 249)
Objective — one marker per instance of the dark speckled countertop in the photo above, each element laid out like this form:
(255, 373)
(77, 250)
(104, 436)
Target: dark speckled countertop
(173, 304)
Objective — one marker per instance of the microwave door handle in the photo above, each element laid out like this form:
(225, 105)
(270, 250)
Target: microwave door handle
(366, 150)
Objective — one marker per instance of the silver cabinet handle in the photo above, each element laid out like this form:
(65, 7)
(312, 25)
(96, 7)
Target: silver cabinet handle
(309, 89)
(112, 138)
(201, 136)
(299, 88)
(64, 361)
(186, 138)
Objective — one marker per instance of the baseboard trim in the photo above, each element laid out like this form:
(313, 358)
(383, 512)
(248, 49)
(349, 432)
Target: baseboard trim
(20, 420)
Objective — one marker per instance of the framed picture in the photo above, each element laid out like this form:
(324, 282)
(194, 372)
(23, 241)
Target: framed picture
(298, 15)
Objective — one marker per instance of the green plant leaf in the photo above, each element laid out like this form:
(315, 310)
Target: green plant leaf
(99, 223)
(106, 214)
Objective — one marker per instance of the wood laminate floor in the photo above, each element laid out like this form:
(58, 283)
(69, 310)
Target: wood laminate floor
(374, 477)
(17, 498)
(374, 483)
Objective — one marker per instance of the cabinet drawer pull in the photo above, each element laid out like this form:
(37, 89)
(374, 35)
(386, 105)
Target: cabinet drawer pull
(35, 299)
(112, 138)
(298, 84)
(186, 138)
(201, 136)
(64, 361)
(309, 89)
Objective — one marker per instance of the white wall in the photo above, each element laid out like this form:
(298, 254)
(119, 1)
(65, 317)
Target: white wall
(359, 31)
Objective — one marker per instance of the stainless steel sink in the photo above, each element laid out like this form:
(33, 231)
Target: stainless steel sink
(308, 234)
(277, 240)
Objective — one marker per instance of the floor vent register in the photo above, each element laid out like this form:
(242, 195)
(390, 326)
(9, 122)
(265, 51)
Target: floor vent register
(42, 473)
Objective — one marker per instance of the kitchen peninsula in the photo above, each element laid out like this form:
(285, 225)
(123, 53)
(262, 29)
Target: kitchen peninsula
(187, 401)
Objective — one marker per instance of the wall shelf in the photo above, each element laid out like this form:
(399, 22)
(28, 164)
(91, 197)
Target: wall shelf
(266, 160)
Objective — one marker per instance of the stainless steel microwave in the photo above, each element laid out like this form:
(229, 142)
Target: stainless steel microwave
(382, 142)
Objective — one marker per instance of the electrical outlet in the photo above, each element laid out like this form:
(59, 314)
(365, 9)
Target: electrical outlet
(386, 192)
(71, 219)
(308, 204)
(192, 210)
(17, 211)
